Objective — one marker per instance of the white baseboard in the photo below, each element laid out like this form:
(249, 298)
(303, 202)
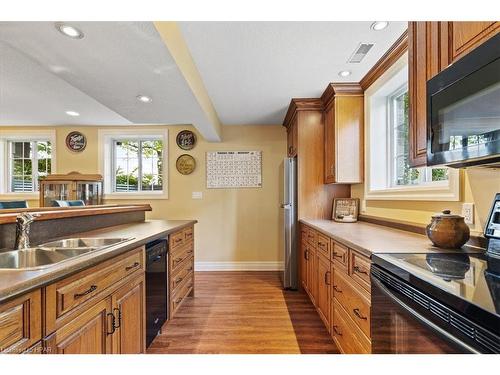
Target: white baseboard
(238, 266)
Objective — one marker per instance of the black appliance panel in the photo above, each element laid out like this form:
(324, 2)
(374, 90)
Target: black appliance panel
(156, 288)
(463, 109)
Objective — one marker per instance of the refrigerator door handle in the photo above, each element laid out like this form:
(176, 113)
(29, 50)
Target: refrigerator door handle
(286, 206)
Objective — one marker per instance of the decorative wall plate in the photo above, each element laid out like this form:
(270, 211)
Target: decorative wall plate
(185, 164)
(345, 210)
(186, 139)
(76, 141)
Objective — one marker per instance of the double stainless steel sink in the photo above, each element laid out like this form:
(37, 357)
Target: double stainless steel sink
(50, 253)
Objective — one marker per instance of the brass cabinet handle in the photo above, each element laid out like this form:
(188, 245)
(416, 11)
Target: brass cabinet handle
(338, 256)
(336, 331)
(178, 280)
(177, 240)
(356, 312)
(178, 300)
(337, 289)
(359, 270)
(327, 273)
(92, 288)
(119, 317)
(178, 259)
(112, 323)
(132, 266)
(190, 269)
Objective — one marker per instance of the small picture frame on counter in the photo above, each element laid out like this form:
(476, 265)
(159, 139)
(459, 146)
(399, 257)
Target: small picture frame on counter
(345, 210)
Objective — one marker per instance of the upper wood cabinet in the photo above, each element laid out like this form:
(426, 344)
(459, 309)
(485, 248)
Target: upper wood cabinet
(465, 36)
(306, 141)
(292, 138)
(344, 106)
(432, 46)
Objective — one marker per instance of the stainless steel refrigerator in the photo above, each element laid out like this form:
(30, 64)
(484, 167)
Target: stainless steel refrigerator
(289, 223)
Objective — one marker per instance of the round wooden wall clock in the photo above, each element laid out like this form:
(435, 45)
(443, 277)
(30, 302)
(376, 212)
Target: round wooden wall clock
(76, 141)
(185, 164)
(186, 139)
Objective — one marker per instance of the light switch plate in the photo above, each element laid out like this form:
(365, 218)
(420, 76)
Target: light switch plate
(468, 213)
(197, 195)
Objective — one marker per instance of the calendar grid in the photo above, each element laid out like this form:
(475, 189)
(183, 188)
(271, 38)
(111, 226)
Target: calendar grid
(234, 169)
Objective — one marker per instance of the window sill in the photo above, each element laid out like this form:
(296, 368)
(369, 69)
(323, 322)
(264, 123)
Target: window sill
(444, 192)
(134, 196)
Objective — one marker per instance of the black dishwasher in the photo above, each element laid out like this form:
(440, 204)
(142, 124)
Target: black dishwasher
(156, 287)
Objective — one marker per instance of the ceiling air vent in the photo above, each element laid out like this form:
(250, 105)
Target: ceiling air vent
(360, 52)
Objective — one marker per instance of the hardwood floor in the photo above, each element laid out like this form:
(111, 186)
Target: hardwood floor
(244, 312)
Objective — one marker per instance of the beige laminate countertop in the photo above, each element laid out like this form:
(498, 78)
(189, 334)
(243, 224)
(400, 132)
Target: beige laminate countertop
(17, 282)
(371, 239)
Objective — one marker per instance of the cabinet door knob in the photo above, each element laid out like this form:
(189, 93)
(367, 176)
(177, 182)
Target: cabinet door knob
(336, 330)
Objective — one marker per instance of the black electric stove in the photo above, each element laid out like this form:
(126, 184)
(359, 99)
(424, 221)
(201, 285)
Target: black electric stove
(439, 302)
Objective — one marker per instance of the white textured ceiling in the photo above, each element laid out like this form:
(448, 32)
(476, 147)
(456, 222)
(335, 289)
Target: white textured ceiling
(46, 73)
(252, 69)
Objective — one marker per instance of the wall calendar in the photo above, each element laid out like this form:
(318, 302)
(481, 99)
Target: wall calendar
(234, 169)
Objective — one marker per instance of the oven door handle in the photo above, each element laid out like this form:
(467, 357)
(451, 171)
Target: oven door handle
(420, 317)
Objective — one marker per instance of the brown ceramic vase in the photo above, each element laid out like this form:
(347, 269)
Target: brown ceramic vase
(448, 231)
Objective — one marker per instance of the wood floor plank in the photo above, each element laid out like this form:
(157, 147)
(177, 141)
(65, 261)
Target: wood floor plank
(243, 313)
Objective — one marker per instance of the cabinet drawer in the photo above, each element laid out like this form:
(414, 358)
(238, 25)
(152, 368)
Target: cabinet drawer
(20, 323)
(355, 302)
(75, 290)
(177, 298)
(178, 257)
(340, 255)
(176, 240)
(188, 234)
(312, 237)
(183, 272)
(323, 245)
(346, 334)
(360, 269)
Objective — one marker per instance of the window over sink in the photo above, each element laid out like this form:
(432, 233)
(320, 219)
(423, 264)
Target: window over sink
(388, 172)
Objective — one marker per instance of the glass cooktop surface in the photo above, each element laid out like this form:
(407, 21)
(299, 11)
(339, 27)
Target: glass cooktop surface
(472, 277)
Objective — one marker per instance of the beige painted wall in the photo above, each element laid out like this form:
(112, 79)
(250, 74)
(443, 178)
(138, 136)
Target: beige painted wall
(234, 224)
(477, 186)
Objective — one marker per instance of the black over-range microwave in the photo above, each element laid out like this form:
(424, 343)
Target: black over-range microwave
(463, 110)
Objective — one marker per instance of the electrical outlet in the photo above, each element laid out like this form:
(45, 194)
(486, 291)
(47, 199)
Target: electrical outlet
(468, 213)
(197, 195)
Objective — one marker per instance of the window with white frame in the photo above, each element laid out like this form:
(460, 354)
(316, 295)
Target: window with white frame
(398, 121)
(134, 163)
(388, 172)
(27, 162)
(137, 165)
(25, 156)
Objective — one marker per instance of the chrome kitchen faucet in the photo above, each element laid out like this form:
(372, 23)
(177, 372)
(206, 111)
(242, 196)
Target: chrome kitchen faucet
(23, 222)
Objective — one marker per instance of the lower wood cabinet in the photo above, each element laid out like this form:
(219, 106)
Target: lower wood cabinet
(323, 297)
(180, 268)
(21, 323)
(339, 287)
(89, 333)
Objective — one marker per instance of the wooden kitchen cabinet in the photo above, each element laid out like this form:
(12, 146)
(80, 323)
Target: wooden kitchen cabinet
(99, 310)
(89, 333)
(433, 46)
(129, 308)
(344, 118)
(21, 323)
(338, 285)
(463, 37)
(323, 295)
(292, 135)
(180, 268)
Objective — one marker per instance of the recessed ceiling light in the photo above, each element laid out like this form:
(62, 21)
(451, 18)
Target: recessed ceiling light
(344, 73)
(72, 113)
(144, 98)
(69, 31)
(379, 25)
